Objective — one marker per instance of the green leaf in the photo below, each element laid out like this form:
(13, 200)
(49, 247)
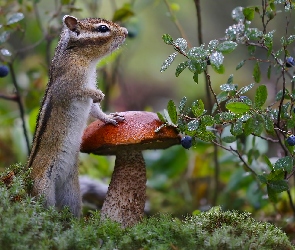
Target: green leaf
(167, 39)
(167, 117)
(168, 61)
(14, 18)
(222, 96)
(216, 59)
(237, 128)
(161, 117)
(280, 94)
(260, 96)
(198, 108)
(228, 87)
(206, 136)
(240, 65)
(237, 107)
(4, 36)
(172, 111)
(267, 161)
(291, 122)
(251, 49)
(181, 67)
(276, 175)
(262, 179)
(198, 53)
(226, 47)
(256, 73)
(197, 66)
(244, 118)
(224, 117)
(230, 80)
(196, 77)
(193, 125)
(278, 185)
(180, 44)
(246, 100)
(249, 126)
(229, 139)
(285, 163)
(245, 89)
(182, 105)
(207, 120)
(290, 39)
(249, 13)
(219, 70)
(272, 195)
(269, 124)
(259, 124)
(123, 13)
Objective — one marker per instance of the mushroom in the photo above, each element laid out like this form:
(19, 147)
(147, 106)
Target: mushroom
(126, 196)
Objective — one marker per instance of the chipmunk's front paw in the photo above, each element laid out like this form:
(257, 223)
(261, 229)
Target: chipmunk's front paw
(117, 117)
(114, 118)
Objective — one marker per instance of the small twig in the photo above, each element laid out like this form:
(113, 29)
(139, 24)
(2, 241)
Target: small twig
(266, 138)
(209, 85)
(20, 105)
(209, 90)
(291, 174)
(291, 201)
(199, 20)
(176, 22)
(216, 176)
(221, 146)
(263, 4)
(245, 163)
(9, 97)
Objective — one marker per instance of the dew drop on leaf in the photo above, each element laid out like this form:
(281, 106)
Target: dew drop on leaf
(180, 43)
(237, 14)
(168, 61)
(216, 58)
(236, 32)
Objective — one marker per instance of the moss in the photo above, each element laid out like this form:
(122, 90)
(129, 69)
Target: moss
(25, 224)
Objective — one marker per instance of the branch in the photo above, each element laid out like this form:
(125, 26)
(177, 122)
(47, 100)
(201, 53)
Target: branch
(20, 105)
(177, 24)
(9, 97)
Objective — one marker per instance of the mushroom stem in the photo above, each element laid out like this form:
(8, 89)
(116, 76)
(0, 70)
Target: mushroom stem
(126, 196)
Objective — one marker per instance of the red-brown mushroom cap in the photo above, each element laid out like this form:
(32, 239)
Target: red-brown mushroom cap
(137, 131)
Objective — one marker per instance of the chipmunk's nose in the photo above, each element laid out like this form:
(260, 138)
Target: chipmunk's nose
(125, 31)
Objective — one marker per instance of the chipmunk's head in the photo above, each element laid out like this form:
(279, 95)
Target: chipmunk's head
(94, 37)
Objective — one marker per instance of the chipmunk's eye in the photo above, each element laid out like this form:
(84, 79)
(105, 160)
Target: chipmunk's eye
(103, 28)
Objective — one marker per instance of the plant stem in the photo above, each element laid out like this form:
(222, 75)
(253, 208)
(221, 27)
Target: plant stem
(20, 105)
(176, 22)
(209, 90)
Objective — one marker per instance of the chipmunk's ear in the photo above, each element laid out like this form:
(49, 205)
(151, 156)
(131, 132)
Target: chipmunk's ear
(72, 23)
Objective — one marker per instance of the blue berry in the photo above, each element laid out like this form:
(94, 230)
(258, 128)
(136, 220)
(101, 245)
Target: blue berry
(290, 62)
(291, 140)
(4, 70)
(186, 141)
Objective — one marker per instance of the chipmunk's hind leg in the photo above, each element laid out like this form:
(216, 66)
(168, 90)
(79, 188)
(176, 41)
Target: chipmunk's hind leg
(69, 195)
(45, 188)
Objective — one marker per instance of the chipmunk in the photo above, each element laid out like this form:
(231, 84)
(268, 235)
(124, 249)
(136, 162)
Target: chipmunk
(71, 95)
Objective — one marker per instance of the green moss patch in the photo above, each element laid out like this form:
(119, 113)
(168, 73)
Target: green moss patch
(25, 224)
